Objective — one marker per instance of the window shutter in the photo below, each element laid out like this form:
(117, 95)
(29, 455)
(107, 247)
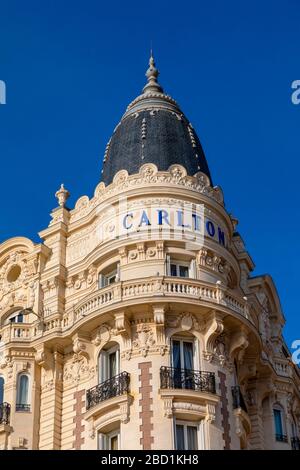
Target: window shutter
(118, 276)
(192, 269)
(102, 441)
(101, 281)
(168, 265)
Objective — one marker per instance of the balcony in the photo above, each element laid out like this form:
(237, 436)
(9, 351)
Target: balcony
(171, 378)
(281, 438)
(23, 407)
(238, 399)
(171, 287)
(114, 387)
(4, 413)
(295, 443)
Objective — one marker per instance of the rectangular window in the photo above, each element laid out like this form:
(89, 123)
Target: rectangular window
(278, 422)
(178, 268)
(109, 277)
(186, 435)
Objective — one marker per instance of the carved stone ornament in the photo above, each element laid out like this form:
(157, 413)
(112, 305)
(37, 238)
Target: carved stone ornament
(143, 339)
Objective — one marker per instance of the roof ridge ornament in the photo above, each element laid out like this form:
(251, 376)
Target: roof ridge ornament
(152, 75)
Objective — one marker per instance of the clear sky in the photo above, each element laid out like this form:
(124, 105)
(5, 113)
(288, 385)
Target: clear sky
(71, 68)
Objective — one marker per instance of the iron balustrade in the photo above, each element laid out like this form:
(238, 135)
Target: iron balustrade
(238, 399)
(114, 387)
(295, 443)
(4, 413)
(22, 407)
(281, 437)
(187, 379)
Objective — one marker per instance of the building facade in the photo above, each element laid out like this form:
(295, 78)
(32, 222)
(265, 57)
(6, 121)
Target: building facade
(135, 323)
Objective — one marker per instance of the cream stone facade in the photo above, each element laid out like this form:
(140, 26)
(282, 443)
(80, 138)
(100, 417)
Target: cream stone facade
(128, 327)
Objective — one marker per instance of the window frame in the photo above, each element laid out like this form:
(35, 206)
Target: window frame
(104, 439)
(18, 401)
(189, 264)
(103, 363)
(186, 424)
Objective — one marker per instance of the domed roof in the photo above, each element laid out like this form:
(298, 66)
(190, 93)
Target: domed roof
(153, 130)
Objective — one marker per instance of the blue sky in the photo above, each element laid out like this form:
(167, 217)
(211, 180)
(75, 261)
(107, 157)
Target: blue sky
(72, 67)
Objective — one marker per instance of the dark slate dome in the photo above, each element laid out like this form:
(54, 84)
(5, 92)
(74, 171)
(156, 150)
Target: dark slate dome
(153, 130)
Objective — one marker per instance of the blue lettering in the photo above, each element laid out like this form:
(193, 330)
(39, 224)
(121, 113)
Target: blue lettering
(163, 216)
(127, 227)
(221, 236)
(144, 219)
(197, 221)
(210, 228)
(180, 220)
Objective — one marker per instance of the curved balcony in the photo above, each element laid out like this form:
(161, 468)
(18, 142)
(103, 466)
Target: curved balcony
(171, 378)
(160, 286)
(114, 387)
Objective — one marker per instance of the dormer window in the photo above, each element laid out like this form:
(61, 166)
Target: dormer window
(180, 268)
(16, 317)
(109, 276)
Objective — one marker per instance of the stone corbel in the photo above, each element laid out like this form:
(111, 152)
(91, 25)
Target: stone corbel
(44, 358)
(122, 325)
(168, 406)
(125, 409)
(80, 346)
(210, 412)
(239, 343)
(214, 329)
(159, 320)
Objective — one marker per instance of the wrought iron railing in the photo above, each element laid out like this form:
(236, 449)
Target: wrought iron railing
(171, 377)
(22, 407)
(295, 443)
(116, 386)
(238, 399)
(4, 413)
(281, 437)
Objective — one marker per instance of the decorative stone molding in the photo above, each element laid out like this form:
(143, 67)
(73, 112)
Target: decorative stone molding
(143, 339)
(215, 327)
(122, 325)
(238, 344)
(186, 402)
(148, 175)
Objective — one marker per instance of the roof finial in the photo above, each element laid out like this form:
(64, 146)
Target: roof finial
(152, 74)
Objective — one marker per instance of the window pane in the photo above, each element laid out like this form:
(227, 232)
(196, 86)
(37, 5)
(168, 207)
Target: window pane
(278, 422)
(176, 354)
(183, 271)
(22, 398)
(192, 438)
(1, 389)
(114, 443)
(112, 364)
(20, 318)
(173, 270)
(179, 437)
(112, 279)
(188, 355)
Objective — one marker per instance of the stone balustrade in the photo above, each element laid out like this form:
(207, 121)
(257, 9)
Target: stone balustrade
(167, 287)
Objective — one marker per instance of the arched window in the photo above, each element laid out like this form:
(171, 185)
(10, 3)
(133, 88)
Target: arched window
(108, 363)
(16, 317)
(279, 423)
(1, 389)
(23, 393)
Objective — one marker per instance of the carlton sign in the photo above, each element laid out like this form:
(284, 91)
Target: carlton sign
(183, 223)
